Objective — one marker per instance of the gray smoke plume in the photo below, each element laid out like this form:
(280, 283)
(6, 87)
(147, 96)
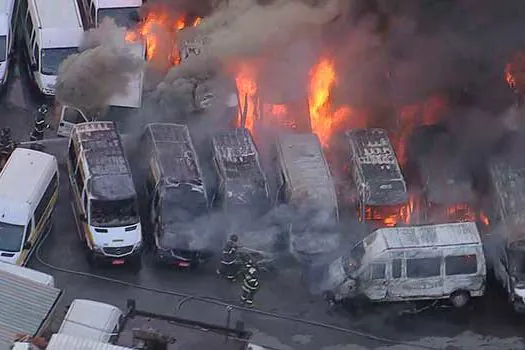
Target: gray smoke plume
(101, 69)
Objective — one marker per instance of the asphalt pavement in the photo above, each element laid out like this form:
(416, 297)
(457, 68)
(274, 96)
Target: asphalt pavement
(292, 318)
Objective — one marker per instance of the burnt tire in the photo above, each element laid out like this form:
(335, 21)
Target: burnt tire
(459, 299)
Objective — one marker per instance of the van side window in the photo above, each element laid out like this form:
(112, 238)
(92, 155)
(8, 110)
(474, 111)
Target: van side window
(378, 271)
(46, 198)
(29, 24)
(425, 267)
(36, 53)
(79, 180)
(72, 156)
(396, 268)
(92, 11)
(461, 265)
(28, 230)
(150, 183)
(23, 9)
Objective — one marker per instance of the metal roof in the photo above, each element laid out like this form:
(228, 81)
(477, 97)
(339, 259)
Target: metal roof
(306, 169)
(238, 162)
(174, 151)
(25, 306)
(508, 180)
(423, 236)
(63, 14)
(377, 169)
(63, 342)
(106, 165)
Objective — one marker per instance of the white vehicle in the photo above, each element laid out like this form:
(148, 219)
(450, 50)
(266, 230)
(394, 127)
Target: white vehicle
(27, 273)
(28, 194)
(105, 202)
(412, 263)
(92, 320)
(124, 12)
(8, 27)
(51, 30)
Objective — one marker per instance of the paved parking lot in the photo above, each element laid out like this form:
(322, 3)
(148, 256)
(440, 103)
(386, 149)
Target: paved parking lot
(292, 317)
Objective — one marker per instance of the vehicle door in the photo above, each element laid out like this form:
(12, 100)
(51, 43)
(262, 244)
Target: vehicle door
(397, 278)
(424, 277)
(69, 116)
(374, 281)
(27, 245)
(461, 272)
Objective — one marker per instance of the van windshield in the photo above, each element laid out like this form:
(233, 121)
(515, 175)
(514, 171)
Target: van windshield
(126, 17)
(352, 261)
(3, 48)
(517, 262)
(11, 237)
(52, 58)
(105, 213)
(182, 204)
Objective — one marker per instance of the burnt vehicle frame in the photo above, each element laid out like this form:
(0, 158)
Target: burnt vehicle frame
(376, 174)
(177, 197)
(445, 182)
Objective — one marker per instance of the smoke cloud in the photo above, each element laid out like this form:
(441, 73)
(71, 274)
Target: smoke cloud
(102, 69)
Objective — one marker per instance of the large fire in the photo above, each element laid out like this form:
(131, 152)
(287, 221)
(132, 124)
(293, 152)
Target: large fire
(158, 25)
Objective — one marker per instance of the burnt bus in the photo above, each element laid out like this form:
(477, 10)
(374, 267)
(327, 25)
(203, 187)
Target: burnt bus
(177, 199)
(242, 184)
(445, 182)
(505, 245)
(382, 196)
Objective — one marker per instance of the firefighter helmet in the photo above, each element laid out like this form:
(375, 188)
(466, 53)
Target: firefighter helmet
(234, 238)
(252, 271)
(42, 109)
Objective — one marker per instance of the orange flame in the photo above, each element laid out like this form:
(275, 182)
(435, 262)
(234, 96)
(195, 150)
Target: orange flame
(247, 89)
(157, 21)
(324, 119)
(484, 219)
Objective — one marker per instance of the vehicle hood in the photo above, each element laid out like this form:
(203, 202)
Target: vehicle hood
(117, 236)
(187, 236)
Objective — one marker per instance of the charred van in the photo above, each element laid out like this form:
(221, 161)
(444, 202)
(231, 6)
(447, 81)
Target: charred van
(375, 171)
(446, 184)
(306, 185)
(177, 198)
(104, 198)
(505, 245)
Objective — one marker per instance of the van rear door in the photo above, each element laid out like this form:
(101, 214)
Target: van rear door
(69, 116)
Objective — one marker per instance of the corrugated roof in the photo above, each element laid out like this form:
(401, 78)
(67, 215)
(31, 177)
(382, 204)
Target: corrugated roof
(24, 305)
(425, 236)
(63, 342)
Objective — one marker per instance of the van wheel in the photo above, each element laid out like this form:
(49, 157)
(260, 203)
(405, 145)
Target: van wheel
(459, 298)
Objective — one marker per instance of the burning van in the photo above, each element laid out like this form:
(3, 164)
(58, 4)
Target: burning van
(177, 198)
(446, 184)
(376, 174)
(306, 185)
(505, 245)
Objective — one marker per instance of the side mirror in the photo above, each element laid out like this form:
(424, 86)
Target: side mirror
(34, 67)
(83, 217)
(27, 245)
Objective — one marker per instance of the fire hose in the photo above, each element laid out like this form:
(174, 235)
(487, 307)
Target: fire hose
(211, 300)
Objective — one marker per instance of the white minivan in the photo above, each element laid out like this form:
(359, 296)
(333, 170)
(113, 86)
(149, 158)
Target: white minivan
(92, 320)
(51, 31)
(8, 27)
(28, 195)
(412, 263)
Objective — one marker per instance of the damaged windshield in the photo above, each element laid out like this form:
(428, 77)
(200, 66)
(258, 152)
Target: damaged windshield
(52, 58)
(126, 17)
(352, 261)
(182, 204)
(3, 48)
(105, 213)
(11, 237)
(517, 262)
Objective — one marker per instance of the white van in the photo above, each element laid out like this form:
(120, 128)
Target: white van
(105, 202)
(124, 12)
(27, 273)
(28, 195)
(8, 27)
(51, 30)
(92, 320)
(413, 263)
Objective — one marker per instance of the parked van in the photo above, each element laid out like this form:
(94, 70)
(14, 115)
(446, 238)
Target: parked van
(27, 273)
(8, 28)
(177, 197)
(124, 12)
(413, 263)
(51, 30)
(28, 195)
(92, 320)
(104, 198)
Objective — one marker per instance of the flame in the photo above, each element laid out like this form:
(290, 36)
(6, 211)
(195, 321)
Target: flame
(515, 72)
(428, 112)
(324, 119)
(461, 213)
(156, 21)
(484, 219)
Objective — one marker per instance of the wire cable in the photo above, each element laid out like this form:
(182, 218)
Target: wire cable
(216, 301)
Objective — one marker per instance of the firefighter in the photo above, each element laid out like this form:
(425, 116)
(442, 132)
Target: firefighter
(7, 145)
(40, 124)
(250, 286)
(229, 266)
